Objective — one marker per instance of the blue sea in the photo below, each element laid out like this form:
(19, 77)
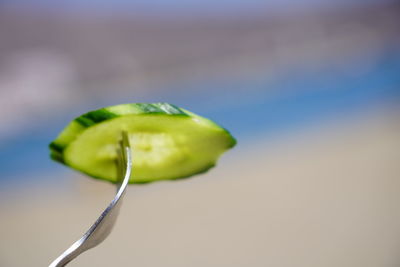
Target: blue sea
(248, 109)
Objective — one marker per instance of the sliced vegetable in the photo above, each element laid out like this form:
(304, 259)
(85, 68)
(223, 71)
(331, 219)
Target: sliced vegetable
(167, 142)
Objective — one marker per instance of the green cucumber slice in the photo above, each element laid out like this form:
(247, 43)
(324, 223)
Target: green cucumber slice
(167, 142)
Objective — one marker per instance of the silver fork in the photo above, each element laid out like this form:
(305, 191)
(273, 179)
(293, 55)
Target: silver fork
(104, 224)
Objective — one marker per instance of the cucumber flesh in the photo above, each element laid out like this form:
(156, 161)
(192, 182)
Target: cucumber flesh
(167, 142)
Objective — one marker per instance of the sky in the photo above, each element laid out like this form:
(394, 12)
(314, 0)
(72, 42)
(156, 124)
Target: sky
(193, 7)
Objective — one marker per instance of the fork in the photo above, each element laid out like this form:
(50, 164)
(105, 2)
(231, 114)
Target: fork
(99, 231)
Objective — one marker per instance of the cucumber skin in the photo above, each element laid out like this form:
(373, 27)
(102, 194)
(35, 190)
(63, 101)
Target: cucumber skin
(94, 117)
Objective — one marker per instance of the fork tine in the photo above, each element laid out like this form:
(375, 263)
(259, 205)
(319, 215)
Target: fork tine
(125, 144)
(119, 163)
(122, 156)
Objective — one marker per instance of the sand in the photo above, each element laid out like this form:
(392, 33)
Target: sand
(324, 196)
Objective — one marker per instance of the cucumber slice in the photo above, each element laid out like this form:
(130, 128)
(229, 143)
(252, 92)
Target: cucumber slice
(167, 142)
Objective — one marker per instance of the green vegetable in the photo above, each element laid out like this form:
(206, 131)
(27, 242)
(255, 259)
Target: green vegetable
(167, 142)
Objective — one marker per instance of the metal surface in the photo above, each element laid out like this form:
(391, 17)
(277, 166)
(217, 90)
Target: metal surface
(104, 224)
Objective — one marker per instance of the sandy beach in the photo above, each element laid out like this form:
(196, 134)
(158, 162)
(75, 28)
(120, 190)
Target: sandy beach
(325, 196)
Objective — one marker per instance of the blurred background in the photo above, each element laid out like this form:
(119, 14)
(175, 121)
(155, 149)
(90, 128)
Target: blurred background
(310, 89)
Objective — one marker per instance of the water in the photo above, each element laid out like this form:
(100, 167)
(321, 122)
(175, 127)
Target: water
(306, 98)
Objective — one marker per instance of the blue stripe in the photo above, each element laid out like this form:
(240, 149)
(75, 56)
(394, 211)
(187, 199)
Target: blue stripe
(313, 97)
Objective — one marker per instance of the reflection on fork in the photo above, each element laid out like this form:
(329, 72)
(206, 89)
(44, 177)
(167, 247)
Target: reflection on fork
(104, 224)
